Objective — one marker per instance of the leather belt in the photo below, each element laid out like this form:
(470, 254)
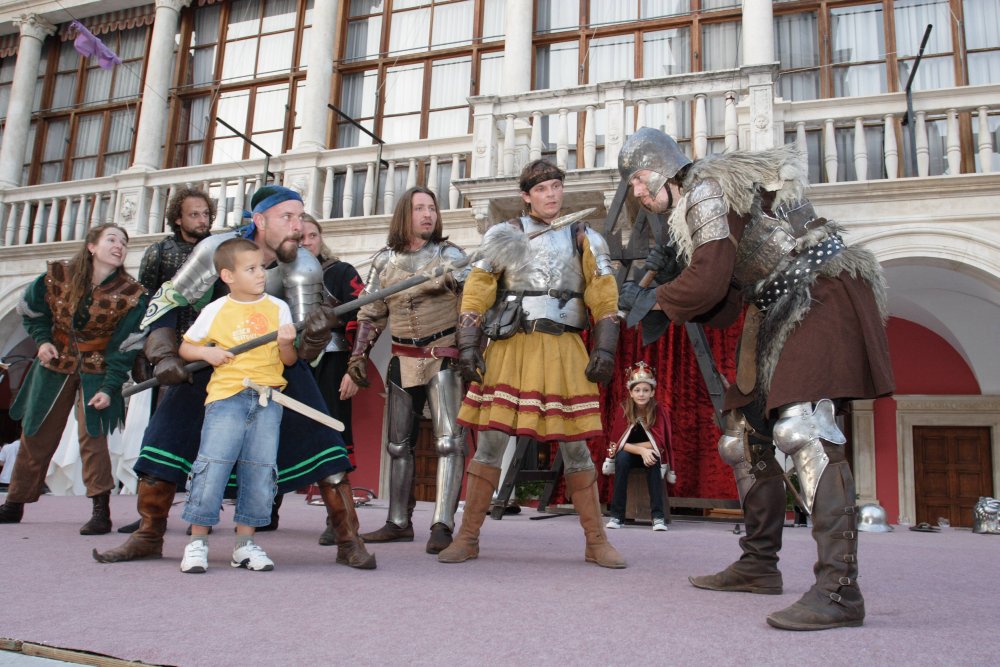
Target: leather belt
(94, 345)
(425, 352)
(423, 342)
(547, 326)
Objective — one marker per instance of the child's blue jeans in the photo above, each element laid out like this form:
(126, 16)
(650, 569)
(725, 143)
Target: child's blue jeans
(238, 433)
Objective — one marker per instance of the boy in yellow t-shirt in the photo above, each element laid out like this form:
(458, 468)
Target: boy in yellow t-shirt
(237, 432)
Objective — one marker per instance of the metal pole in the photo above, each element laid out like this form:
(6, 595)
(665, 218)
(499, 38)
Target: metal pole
(377, 139)
(911, 130)
(267, 156)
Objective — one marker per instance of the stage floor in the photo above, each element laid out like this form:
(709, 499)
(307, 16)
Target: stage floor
(528, 599)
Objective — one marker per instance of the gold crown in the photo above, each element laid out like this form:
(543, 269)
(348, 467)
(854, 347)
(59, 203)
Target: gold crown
(640, 372)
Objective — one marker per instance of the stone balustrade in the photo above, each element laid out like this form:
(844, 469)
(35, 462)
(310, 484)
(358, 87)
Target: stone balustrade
(137, 199)
(500, 123)
(884, 113)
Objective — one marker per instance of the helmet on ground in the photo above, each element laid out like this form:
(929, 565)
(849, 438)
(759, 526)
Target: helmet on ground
(872, 519)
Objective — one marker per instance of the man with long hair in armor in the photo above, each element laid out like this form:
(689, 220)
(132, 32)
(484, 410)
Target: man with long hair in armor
(421, 321)
(537, 378)
(813, 339)
(80, 313)
(308, 452)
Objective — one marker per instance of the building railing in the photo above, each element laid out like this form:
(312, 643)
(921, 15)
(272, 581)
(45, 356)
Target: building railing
(499, 121)
(137, 200)
(510, 130)
(856, 116)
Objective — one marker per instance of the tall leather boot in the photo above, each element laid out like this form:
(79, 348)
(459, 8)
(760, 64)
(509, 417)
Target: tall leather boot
(581, 487)
(756, 571)
(153, 502)
(835, 600)
(11, 512)
(100, 521)
(343, 521)
(481, 482)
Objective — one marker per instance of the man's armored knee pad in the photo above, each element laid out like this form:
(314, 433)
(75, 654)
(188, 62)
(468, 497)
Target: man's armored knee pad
(799, 433)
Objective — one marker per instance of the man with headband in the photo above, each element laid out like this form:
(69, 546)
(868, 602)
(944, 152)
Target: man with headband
(813, 339)
(308, 452)
(536, 379)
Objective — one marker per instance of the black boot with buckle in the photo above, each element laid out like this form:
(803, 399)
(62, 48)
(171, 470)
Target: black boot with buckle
(835, 600)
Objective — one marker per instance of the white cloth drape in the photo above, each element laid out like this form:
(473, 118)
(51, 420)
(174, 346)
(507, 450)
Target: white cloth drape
(65, 473)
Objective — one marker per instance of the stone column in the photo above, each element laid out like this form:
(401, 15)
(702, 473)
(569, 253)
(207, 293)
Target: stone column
(758, 32)
(34, 29)
(319, 77)
(153, 117)
(516, 70)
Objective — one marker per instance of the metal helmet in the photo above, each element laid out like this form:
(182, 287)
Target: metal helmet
(986, 516)
(655, 150)
(872, 519)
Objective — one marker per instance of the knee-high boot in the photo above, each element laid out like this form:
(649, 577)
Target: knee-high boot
(835, 600)
(343, 521)
(153, 502)
(481, 481)
(756, 571)
(581, 487)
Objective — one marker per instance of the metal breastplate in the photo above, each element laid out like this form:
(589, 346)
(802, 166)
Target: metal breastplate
(299, 283)
(552, 280)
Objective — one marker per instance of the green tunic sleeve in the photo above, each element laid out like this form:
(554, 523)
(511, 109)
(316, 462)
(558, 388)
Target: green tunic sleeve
(119, 362)
(38, 324)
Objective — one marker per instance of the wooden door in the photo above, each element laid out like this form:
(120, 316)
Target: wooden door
(425, 463)
(951, 468)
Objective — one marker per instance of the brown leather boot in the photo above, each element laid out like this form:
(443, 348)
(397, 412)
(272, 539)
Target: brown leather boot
(153, 502)
(328, 538)
(344, 523)
(100, 522)
(440, 538)
(11, 512)
(581, 488)
(390, 532)
(481, 481)
(835, 600)
(756, 571)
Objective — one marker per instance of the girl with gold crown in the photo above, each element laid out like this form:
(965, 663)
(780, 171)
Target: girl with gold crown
(640, 436)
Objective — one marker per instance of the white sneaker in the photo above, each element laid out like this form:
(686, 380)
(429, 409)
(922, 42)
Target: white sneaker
(195, 559)
(659, 524)
(252, 557)
(614, 524)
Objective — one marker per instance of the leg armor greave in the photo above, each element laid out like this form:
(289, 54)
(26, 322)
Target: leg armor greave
(799, 433)
(444, 394)
(733, 450)
(400, 454)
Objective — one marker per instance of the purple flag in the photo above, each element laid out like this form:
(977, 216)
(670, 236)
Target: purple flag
(90, 46)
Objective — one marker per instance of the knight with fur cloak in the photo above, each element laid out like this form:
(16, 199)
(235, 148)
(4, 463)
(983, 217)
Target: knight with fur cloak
(813, 338)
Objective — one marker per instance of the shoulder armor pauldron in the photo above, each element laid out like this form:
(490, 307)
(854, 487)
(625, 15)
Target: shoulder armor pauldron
(706, 213)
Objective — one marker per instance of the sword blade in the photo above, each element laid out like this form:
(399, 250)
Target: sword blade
(297, 406)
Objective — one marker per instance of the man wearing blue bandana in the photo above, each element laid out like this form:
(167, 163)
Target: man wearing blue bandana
(308, 452)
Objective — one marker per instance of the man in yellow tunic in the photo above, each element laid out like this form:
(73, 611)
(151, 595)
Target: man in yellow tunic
(536, 379)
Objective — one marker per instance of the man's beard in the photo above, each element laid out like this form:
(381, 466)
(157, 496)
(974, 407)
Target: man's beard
(200, 233)
(288, 249)
(426, 236)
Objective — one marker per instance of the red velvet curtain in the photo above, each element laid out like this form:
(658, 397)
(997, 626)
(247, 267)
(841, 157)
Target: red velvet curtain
(680, 389)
